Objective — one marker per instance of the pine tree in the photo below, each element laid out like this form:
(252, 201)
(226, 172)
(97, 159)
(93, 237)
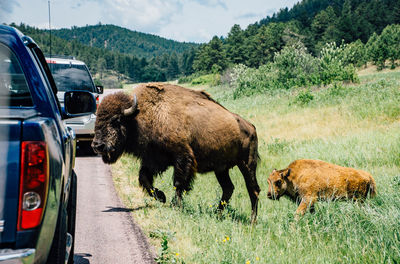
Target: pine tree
(235, 45)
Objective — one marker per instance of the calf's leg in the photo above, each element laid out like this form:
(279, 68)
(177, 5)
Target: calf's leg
(306, 201)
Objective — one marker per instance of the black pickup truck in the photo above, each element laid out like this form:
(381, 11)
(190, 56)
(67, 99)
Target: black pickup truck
(37, 154)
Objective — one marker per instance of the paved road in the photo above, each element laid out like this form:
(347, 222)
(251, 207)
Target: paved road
(105, 232)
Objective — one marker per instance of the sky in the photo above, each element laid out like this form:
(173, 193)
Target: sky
(181, 20)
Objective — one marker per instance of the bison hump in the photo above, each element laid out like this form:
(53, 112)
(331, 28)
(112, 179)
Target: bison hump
(157, 86)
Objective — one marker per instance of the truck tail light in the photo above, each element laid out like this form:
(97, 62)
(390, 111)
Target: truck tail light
(33, 183)
(97, 101)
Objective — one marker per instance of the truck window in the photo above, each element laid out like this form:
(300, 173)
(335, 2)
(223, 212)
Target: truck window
(14, 90)
(72, 77)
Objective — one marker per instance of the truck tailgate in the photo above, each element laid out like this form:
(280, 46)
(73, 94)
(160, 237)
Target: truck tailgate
(10, 136)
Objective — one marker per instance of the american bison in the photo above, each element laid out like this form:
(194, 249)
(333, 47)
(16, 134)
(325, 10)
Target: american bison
(305, 181)
(167, 125)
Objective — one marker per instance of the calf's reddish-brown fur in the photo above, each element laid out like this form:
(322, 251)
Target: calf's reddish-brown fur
(305, 181)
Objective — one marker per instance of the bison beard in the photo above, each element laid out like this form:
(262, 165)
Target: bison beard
(167, 125)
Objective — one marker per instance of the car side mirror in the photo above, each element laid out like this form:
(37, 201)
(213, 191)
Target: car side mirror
(100, 89)
(79, 103)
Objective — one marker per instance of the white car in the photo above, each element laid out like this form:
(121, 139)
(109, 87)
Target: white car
(71, 74)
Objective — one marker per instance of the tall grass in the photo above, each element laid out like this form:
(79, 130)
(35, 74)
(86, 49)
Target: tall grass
(350, 125)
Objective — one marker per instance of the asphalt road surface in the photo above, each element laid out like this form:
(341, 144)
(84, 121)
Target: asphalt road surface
(105, 231)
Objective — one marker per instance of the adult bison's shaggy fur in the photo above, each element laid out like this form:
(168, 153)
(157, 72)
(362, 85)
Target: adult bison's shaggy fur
(168, 125)
(305, 181)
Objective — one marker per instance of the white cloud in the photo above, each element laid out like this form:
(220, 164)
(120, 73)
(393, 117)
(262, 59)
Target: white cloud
(6, 7)
(183, 20)
(256, 15)
(212, 3)
(148, 16)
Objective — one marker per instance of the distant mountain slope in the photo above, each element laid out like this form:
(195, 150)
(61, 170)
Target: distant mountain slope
(170, 65)
(123, 40)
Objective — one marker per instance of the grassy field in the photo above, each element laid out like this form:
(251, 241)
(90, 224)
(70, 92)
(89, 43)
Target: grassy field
(350, 125)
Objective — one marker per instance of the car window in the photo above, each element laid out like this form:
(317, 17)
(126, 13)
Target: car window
(14, 90)
(72, 77)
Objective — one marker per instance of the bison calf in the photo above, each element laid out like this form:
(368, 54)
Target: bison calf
(305, 181)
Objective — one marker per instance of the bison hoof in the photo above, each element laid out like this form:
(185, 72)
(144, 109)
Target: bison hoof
(222, 205)
(159, 196)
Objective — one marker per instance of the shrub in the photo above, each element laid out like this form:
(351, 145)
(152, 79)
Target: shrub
(293, 66)
(186, 79)
(296, 67)
(304, 97)
(355, 53)
(248, 81)
(211, 79)
(333, 66)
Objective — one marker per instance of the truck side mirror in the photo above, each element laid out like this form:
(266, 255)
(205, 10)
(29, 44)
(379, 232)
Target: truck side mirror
(79, 103)
(100, 89)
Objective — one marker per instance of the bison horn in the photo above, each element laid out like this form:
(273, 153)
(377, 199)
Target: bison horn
(132, 109)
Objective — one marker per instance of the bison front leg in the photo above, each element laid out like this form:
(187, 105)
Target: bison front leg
(184, 171)
(146, 179)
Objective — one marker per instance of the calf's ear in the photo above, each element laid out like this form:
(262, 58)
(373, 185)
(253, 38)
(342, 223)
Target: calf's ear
(286, 173)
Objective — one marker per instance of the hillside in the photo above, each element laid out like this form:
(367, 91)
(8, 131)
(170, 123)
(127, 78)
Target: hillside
(311, 22)
(123, 40)
(176, 58)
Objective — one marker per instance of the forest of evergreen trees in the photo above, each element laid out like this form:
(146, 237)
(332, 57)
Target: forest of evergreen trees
(312, 22)
(123, 40)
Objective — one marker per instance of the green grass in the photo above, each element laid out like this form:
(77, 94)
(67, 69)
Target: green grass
(350, 125)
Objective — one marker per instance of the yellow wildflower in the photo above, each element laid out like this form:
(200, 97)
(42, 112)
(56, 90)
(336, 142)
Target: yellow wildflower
(247, 261)
(177, 254)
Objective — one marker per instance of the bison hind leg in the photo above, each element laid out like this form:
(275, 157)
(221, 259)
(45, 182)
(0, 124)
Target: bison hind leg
(249, 174)
(185, 168)
(227, 187)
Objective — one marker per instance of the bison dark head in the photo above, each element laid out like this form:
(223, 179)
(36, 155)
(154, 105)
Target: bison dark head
(111, 126)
